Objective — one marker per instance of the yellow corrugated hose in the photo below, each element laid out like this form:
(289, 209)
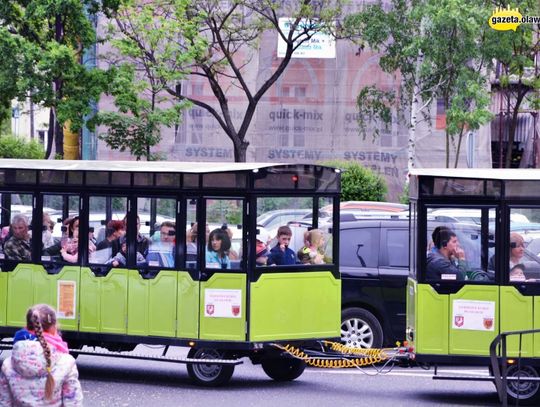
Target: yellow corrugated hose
(369, 356)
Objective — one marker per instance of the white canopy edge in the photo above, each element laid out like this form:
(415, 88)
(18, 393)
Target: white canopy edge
(525, 174)
(133, 166)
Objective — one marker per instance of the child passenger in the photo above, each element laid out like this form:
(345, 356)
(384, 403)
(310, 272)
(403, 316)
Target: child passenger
(120, 259)
(40, 371)
(314, 242)
(219, 244)
(280, 254)
(517, 273)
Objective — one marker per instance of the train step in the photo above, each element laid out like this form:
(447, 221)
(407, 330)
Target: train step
(138, 356)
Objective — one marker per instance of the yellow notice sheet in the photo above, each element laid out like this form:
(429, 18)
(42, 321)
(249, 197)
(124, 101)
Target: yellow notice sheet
(65, 307)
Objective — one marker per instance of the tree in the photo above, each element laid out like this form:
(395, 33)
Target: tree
(145, 64)
(519, 79)
(359, 183)
(435, 46)
(221, 43)
(41, 43)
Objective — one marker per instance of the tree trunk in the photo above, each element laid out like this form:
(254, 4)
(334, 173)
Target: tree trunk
(458, 149)
(58, 140)
(240, 152)
(59, 131)
(411, 142)
(513, 125)
(50, 133)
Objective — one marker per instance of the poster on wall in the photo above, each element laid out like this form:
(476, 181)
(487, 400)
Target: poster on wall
(473, 315)
(220, 303)
(66, 300)
(320, 45)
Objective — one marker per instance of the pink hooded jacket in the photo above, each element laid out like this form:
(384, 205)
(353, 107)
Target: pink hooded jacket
(24, 373)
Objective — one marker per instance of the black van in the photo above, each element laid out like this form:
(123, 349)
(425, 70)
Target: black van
(374, 260)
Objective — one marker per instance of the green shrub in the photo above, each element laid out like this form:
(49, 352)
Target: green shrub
(16, 147)
(404, 197)
(359, 183)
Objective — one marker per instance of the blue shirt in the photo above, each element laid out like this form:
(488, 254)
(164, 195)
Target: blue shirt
(281, 258)
(215, 262)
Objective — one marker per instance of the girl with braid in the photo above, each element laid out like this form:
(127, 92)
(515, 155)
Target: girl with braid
(40, 371)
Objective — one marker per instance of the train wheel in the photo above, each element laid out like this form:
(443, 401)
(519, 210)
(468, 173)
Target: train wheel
(283, 369)
(208, 375)
(527, 392)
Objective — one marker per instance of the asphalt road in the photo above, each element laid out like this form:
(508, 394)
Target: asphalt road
(120, 382)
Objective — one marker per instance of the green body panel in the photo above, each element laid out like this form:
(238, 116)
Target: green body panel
(218, 328)
(29, 284)
(516, 314)
(152, 304)
(299, 305)
(473, 342)
(3, 298)
(431, 336)
(103, 301)
(410, 323)
(46, 291)
(187, 307)
(20, 293)
(536, 322)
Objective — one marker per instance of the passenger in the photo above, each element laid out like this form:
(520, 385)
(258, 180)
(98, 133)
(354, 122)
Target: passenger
(40, 370)
(314, 242)
(431, 246)
(517, 249)
(191, 241)
(441, 264)
(142, 242)
(280, 254)
(120, 259)
(19, 245)
(47, 238)
(192, 237)
(233, 254)
(115, 230)
(517, 273)
(304, 255)
(162, 253)
(70, 248)
(261, 247)
(218, 246)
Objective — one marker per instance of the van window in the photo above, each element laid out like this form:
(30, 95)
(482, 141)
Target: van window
(397, 244)
(359, 247)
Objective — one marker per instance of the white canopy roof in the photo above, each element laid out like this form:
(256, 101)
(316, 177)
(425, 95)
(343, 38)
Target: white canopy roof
(136, 166)
(480, 173)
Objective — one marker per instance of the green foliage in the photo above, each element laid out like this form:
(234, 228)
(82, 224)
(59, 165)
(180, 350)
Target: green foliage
(224, 211)
(146, 102)
(437, 46)
(212, 40)
(273, 203)
(16, 147)
(41, 43)
(374, 106)
(404, 197)
(5, 119)
(359, 183)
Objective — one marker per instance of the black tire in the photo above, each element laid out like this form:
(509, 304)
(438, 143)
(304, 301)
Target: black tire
(283, 369)
(527, 392)
(208, 375)
(360, 329)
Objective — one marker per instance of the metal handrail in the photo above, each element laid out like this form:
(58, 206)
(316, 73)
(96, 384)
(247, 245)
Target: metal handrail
(500, 375)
